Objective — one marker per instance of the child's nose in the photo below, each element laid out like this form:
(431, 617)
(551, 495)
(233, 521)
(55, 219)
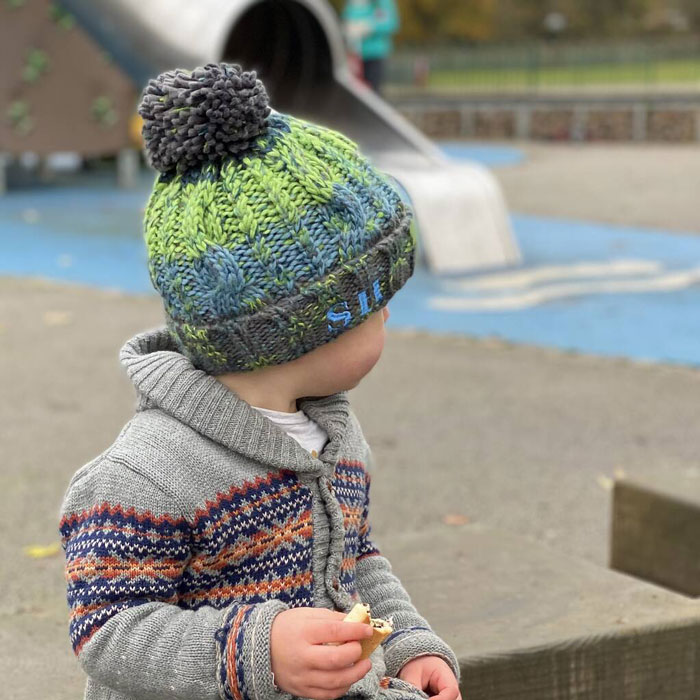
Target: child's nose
(385, 311)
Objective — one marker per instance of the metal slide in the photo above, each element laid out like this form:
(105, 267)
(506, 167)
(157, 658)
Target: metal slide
(297, 48)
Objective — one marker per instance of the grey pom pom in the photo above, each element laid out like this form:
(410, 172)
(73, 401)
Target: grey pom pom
(190, 119)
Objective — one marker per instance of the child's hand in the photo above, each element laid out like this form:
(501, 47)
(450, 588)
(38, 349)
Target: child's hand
(303, 666)
(432, 675)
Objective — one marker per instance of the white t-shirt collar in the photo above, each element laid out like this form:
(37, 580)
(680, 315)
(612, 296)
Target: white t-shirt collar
(299, 426)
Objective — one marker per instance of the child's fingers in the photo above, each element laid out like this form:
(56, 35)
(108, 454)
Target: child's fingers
(444, 684)
(336, 631)
(329, 658)
(331, 680)
(451, 692)
(329, 685)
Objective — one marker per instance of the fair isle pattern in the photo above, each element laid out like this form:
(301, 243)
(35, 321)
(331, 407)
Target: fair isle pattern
(251, 544)
(241, 551)
(116, 559)
(249, 254)
(351, 488)
(246, 546)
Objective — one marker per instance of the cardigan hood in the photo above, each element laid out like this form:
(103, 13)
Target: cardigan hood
(166, 379)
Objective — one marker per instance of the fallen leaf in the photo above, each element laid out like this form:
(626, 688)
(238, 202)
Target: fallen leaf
(455, 519)
(39, 551)
(57, 318)
(605, 482)
(34, 610)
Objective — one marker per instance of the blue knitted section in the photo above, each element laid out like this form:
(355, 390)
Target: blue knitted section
(407, 630)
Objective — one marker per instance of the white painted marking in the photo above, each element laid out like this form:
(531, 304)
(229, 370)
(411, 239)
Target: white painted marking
(526, 278)
(669, 282)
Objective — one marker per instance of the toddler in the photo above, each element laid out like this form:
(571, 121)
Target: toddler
(213, 550)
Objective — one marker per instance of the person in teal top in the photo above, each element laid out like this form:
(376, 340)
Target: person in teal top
(369, 27)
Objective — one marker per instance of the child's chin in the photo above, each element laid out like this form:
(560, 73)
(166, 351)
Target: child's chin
(340, 387)
(344, 384)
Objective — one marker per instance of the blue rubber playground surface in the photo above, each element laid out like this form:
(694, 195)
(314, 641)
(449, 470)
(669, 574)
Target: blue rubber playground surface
(586, 287)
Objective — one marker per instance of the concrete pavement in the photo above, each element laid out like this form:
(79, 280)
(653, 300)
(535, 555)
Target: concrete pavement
(650, 185)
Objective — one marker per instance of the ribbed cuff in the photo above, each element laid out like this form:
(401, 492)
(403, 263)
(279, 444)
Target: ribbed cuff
(407, 644)
(245, 664)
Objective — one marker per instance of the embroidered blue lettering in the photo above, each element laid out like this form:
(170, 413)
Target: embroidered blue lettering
(364, 304)
(377, 291)
(339, 316)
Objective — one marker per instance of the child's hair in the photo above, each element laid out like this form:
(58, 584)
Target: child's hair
(267, 236)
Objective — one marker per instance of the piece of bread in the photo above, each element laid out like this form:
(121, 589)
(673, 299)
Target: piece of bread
(380, 628)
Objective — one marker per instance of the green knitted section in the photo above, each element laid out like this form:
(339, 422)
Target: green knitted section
(270, 187)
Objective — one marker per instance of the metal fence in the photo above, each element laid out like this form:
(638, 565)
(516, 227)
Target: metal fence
(639, 66)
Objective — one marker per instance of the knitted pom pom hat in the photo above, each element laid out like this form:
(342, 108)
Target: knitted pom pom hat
(267, 236)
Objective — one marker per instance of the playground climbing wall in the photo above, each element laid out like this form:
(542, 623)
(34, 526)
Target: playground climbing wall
(59, 91)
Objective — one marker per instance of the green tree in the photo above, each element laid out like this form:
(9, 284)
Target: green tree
(606, 17)
(434, 21)
(439, 21)
(521, 18)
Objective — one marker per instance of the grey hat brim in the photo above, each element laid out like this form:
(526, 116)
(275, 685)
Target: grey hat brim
(284, 330)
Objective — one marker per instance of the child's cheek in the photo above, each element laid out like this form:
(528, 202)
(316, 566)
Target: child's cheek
(366, 357)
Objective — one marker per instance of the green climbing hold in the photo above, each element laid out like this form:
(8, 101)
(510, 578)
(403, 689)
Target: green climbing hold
(19, 117)
(37, 64)
(103, 111)
(61, 17)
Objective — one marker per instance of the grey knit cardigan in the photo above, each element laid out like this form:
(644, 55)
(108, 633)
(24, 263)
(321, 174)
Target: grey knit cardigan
(201, 523)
